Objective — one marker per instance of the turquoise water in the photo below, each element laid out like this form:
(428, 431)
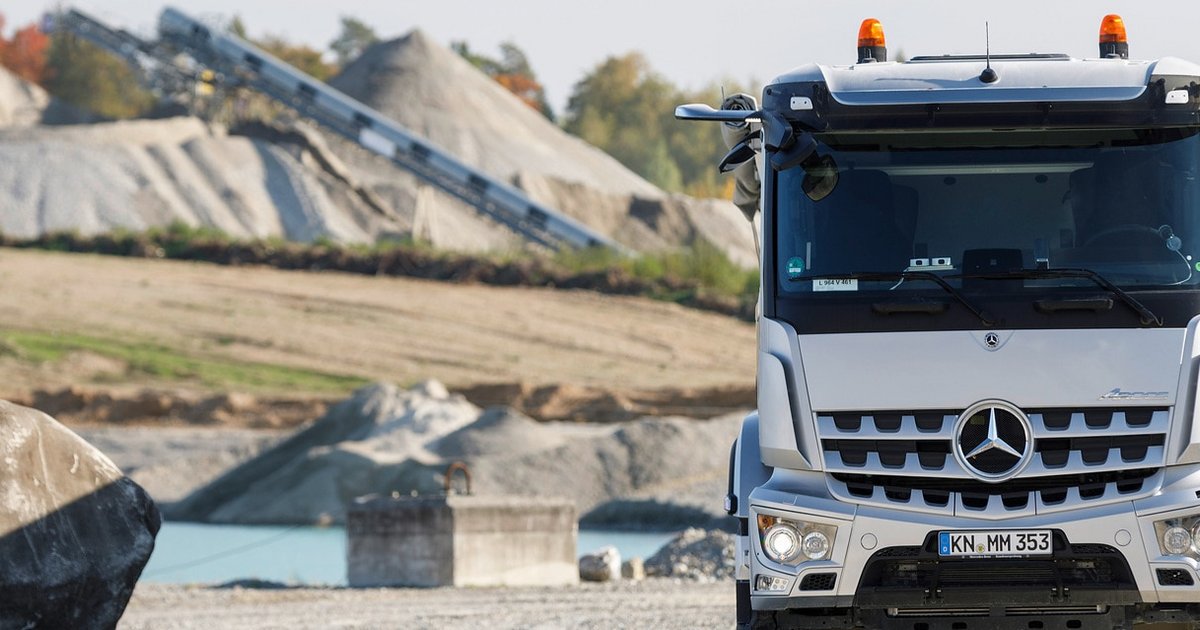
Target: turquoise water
(188, 553)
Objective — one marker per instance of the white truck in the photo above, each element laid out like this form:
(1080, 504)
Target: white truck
(977, 349)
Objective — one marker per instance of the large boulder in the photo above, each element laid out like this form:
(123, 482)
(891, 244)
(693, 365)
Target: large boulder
(74, 532)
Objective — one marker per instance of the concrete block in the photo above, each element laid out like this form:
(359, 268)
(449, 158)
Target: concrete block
(633, 569)
(460, 541)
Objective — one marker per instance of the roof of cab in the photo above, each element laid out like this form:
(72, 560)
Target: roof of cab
(1044, 78)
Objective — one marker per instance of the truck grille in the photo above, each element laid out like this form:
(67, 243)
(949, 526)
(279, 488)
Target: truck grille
(1080, 457)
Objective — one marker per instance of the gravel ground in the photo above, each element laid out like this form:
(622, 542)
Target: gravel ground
(662, 604)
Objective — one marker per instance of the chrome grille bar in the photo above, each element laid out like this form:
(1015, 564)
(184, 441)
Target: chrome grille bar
(866, 447)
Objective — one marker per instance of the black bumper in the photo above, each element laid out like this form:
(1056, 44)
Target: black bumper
(1078, 587)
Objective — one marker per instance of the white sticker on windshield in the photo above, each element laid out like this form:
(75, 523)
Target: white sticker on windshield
(835, 284)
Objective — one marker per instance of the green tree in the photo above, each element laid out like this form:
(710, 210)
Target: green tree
(698, 148)
(354, 38)
(88, 77)
(238, 27)
(626, 109)
(305, 58)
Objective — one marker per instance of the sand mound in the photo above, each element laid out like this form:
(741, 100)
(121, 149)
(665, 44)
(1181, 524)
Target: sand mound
(386, 440)
(499, 431)
(672, 461)
(140, 174)
(439, 96)
(369, 443)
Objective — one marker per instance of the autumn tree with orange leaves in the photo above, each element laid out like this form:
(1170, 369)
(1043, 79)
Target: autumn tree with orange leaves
(25, 54)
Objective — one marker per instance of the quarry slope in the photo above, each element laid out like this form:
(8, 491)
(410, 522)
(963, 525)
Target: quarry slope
(295, 182)
(144, 173)
(441, 97)
(73, 319)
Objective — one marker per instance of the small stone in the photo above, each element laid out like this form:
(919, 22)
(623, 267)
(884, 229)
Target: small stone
(633, 569)
(602, 565)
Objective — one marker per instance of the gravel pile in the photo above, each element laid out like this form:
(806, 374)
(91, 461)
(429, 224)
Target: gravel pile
(377, 441)
(139, 174)
(441, 97)
(438, 95)
(696, 554)
(386, 440)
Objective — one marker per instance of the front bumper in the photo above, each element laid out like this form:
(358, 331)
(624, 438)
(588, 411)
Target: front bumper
(1105, 556)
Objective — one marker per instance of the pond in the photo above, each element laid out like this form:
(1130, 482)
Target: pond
(188, 553)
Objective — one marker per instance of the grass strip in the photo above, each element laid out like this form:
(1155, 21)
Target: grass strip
(172, 364)
(699, 276)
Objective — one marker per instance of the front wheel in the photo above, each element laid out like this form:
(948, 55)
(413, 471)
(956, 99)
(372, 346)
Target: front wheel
(745, 616)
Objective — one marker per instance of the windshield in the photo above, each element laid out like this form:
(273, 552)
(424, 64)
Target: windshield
(974, 207)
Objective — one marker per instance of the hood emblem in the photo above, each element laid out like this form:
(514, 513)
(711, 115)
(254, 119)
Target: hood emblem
(991, 340)
(993, 441)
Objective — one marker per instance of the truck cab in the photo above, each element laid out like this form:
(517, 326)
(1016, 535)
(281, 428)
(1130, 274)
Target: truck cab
(977, 352)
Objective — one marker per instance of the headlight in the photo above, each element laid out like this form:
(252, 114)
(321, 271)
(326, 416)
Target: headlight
(1176, 541)
(816, 545)
(1179, 536)
(791, 542)
(782, 542)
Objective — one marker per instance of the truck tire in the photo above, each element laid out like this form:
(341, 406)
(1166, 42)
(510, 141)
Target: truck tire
(745, 615)
(762, 620)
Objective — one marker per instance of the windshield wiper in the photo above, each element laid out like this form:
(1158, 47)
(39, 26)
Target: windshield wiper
(886, 276)
(1147, 315)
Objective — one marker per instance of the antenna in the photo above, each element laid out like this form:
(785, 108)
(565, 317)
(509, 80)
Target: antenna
(988, 75)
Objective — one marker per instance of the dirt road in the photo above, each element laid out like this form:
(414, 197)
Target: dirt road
(659, 603)
(71, 319)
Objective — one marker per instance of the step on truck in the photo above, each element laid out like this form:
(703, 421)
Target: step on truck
(977, 342)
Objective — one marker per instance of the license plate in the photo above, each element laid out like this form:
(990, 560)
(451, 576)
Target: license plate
(975, 544)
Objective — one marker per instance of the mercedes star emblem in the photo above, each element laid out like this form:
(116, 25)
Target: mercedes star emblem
(991, 340)
(993, 441)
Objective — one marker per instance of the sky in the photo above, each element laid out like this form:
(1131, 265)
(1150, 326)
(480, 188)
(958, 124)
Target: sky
(693, 43)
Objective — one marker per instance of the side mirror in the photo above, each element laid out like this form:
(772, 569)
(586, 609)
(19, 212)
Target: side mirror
(738, 155)
(820, 177)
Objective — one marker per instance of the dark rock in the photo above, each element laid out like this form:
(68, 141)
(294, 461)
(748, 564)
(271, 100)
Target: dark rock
(602, 565)
(74, 532)
(255, 584)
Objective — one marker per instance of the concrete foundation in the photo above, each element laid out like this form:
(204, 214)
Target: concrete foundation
(461, 541)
